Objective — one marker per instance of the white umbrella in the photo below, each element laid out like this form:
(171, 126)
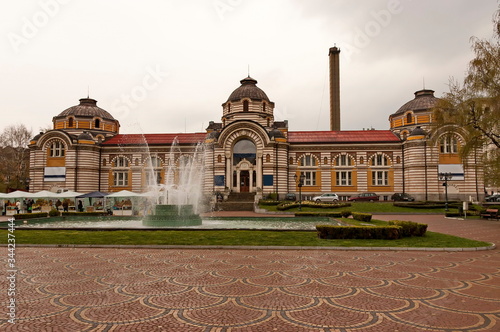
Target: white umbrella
(69, 194)
(18, 194)
(44, 194)
(124, 193)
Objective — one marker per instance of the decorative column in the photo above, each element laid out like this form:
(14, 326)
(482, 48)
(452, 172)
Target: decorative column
(259, 170)
(229, 174)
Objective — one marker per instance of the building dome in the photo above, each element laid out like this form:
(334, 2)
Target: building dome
(276, 133)
(87, 108)
(248, 89)
(424, 100)
(85, 136)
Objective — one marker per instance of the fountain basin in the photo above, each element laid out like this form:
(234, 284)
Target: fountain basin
(172, 216)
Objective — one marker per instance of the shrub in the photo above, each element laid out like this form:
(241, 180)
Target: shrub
(346, 213)
(288, 205)
(366, 217)
(359, 232)
(410, 228)
(273, 196)
(54, 213)
(30, 215)
(95, 214)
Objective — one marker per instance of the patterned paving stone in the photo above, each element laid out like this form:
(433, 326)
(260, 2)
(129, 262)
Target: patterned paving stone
(243, 290)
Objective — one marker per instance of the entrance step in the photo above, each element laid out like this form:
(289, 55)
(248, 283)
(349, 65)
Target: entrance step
(235, 206)
(241, 197)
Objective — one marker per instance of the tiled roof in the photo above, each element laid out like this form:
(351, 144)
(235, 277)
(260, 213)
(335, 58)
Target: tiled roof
(87, 107)
(156, 139)
(424, 100)
(248, 89)
(344, 136)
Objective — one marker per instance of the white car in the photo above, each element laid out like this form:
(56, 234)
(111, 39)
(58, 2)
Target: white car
(326, 198)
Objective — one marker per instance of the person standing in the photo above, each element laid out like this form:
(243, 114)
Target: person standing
(18, 206)
(80, 206)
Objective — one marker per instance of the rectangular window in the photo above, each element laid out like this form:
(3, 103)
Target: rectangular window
(344, 178)
(309, 178)
(121, 179)
(380, 178)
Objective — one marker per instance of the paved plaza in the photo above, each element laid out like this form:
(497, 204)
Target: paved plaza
(222, 290)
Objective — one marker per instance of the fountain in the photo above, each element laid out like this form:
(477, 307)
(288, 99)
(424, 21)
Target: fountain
(176, 202)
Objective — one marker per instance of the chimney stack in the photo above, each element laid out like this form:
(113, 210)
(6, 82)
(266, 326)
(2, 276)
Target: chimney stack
(333, 54)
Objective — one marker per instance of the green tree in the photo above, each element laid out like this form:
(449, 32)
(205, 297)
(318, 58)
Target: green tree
(14, 157)
(472, 108)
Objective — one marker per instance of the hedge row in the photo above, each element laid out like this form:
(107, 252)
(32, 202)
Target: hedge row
(288, 205)
(95, 214)
(30, 215)
(359, 232)
(366, 217)
(269, 202)
(410, 228)
(428, 205)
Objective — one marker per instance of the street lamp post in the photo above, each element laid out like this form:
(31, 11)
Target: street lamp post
(446, 176)
(300, 182)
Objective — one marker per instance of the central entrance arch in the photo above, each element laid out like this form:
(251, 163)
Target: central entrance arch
(244, 162)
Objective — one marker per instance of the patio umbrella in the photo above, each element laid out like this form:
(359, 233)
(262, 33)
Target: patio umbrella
(94, 194)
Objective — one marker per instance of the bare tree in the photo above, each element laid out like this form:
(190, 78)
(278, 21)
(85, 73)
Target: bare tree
(14, 157)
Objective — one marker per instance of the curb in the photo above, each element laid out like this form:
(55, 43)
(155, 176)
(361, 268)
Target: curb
(117, 246)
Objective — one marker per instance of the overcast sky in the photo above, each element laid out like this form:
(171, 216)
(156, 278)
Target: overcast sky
(166, 66)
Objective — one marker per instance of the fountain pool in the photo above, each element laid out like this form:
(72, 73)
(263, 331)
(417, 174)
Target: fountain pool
(271, 223)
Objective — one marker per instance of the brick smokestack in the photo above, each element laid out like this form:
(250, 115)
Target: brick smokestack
(333, 54)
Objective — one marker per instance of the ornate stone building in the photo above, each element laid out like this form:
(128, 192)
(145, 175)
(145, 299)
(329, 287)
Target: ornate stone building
(249, 151)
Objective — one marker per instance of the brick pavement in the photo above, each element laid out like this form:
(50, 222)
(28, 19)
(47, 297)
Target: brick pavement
(110, 289)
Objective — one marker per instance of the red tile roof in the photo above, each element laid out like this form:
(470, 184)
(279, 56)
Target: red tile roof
(152, 139)
(344, 136)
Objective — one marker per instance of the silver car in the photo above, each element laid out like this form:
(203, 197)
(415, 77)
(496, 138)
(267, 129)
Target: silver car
(326, 198)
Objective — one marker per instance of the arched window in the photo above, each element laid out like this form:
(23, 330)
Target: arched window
(121, 172)
(343, 160)
(263, 106)
(380, 160)
(244, 149)
(409, 118)
(121, 162)
(308, 160)
(268, 158)
(70, 123)
(245, 105)
(325, 161)
(291, 161)
(153, 171)
(56, 149)
(97, 123)
(309, 175)
(104, 162)
(449, 144)
(219, 158)
(229, 107)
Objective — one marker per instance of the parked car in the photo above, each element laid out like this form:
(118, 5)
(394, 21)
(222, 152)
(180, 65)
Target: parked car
(326, 198)
(370, 197)
(493, 198)
(402, 197)
(290, 197)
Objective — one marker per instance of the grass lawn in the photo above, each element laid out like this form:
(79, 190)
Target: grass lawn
(224, 238)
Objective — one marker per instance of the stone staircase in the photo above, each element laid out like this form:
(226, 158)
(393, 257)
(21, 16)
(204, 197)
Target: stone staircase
(238, 202)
